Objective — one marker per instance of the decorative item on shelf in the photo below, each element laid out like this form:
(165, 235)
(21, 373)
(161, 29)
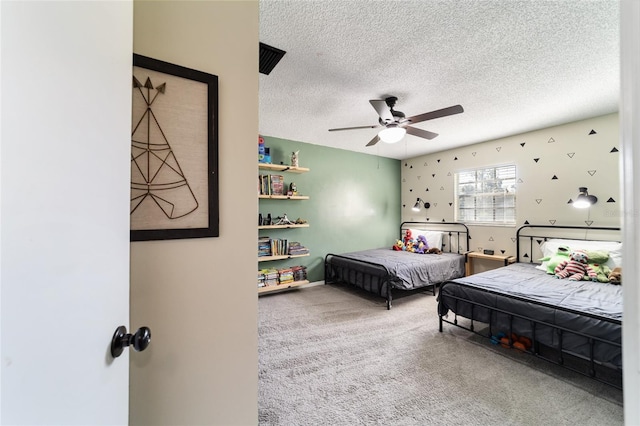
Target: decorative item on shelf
(416, 206)
(300, 221)
(260, 149)
(294, 158)
(584, 200)
(293, 189)
(284, 220)
(267, 221)
(260, 221)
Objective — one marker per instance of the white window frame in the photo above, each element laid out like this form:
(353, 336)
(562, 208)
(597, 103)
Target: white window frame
(482, 198)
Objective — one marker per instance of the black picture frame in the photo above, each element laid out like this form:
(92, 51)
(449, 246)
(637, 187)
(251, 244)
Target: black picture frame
(211, 228)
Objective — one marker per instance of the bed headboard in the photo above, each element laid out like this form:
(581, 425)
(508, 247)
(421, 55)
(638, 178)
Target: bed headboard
(455, 237)
(530, 237)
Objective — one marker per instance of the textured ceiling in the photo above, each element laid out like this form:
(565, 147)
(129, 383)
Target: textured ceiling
(515, 66)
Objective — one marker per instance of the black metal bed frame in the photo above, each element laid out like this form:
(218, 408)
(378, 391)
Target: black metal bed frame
(560, 354)
(378, 276)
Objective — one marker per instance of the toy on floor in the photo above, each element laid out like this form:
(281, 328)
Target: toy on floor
(576, 267)
(520, 343)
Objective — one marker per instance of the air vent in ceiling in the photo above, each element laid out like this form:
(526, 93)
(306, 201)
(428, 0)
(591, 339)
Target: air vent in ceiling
(269, 58)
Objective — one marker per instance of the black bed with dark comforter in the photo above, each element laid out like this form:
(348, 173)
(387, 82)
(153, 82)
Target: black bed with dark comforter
(382, 270)
(580, 319)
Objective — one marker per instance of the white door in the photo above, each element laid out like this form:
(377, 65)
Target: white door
(64, 212)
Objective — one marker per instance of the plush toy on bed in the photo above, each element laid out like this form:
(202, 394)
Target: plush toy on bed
(422, 245)
(398, 246)
(576, 267)
(597, 260)
(553, 261)
(615, 277)
(434, 250)
(407, 236)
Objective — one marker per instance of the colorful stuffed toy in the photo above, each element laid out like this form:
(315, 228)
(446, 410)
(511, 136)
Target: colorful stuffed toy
(576, 267)
(553, 261)
(398, 246)
(407, 237)
(422, 246)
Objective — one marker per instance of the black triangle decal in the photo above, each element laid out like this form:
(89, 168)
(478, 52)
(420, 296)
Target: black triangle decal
(435, 204)
(404, 179)
(539, 242)
(443, 220)
(552, 221)
(526, 256)
(473, 153)
(513, 240)
(491, 239)
(404, 205)
(427, 190)
(551, 140)
(614, 149)
(502, 251)
(554, 177)
(419, 177)
(405, 164)
(526, 222)
(455, 159)
(520, 181)
(570, 201)
(433, 175)
(442, 188)
(592, 132)
(588, 222)
(450, 204)
(411, 167)
(611, 200)
(438, 161)
(591, 172)
(410, 190)
(538, 200)
(498, 148)
(536, 159)
(449, 174)
(425, 164)
(571, 154)
(522, 144)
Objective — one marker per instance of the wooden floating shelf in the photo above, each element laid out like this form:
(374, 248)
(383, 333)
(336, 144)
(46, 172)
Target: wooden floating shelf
(282, 257)
(285, 197)
(282, 168)
(270, 288)
(297, 225)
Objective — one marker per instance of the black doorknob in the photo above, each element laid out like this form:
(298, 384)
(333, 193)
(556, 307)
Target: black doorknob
(121, 339)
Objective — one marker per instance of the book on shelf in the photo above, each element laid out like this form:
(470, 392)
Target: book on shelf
(277, 184)
(297, 249)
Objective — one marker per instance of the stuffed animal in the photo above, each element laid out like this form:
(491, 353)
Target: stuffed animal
(552, 261)
(422, 245)
(615, 277)
(398, 246)
(407, 236)
(410, 246)
(597, 260)
(434, 250)
(576, 267)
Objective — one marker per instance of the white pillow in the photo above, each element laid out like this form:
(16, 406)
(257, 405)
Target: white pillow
(550, 248)
(434, 238)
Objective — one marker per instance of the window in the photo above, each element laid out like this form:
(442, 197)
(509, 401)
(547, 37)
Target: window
(486, 196)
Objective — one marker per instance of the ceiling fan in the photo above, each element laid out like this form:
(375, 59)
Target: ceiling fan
(396, 124)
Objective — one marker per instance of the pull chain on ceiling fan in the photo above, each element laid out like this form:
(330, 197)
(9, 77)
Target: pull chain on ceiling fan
(396, 125)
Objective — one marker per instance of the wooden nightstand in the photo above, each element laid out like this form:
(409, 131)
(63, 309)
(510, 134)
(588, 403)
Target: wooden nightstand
(506, 259)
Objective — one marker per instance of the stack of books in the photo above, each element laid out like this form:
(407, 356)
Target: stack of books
(299, 273)
(279, 247)
(268, 277)
(285, 275)
(264, 246)
(271, 184)
(297, 249)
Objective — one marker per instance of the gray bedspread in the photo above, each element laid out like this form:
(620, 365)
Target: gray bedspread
(592, 308)
(523, 280)
(411, 270)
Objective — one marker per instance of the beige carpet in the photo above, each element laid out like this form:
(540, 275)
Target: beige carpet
(332, 355)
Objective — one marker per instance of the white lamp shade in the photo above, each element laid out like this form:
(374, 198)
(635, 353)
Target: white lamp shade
(392, 134)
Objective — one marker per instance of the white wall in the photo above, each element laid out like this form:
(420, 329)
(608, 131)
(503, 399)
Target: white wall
(630, 131)
(199, 296)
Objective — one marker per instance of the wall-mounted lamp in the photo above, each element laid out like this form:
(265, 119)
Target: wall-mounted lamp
(416, 206)
(392, 133)
(584, 200)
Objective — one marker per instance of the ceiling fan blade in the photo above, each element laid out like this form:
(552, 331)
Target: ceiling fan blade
(374, 141)
(456, 109)
(383, 110)
(420, 133)
(359, 127)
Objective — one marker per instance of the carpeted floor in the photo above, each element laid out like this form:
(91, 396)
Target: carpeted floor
(332, 355)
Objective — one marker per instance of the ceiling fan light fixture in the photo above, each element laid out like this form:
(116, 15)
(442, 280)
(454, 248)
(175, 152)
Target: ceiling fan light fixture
(392, 134)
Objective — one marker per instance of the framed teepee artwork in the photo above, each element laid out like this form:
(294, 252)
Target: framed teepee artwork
(174, 152)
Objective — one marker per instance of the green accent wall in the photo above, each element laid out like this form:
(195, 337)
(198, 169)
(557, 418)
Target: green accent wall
(355, 202)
